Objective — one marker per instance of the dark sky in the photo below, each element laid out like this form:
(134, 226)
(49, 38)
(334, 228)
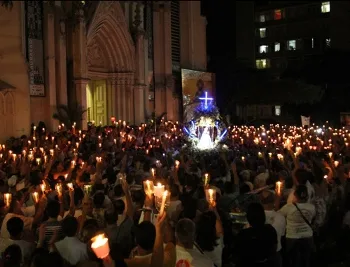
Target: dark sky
(220, 43)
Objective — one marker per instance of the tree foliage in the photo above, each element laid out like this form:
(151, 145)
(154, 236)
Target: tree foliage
(69, 114)
(7, 4)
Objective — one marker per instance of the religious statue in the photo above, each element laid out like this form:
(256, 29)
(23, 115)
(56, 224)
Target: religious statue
(200, 91)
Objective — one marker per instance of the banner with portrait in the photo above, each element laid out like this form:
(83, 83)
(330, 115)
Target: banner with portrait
(35, 47)
(192, 80)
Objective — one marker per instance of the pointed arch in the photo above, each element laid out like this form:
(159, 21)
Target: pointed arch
(110, 46)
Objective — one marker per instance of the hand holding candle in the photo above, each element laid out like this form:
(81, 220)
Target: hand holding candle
(210, 195)
(206, 179)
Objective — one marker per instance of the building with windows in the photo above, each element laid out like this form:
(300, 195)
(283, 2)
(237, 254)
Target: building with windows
(114, 58)
(289, 32)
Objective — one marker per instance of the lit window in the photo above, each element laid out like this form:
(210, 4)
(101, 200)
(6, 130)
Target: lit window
(277, 47)
(278, 14)
(325, 7)
(262, 32)
(278, 110)
(328, 42)
(291, 45)
(262, 18)
(262, 63)
(263, 49)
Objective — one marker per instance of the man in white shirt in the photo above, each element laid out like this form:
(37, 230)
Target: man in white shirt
(274, 218)
(15, 227)
(71, 248)
(187, 254)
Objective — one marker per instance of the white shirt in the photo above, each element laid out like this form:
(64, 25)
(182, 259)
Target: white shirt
(77, 214)
(72, 250)
(28, 222)
(191, 258)
(27, 248)
(296, 225)
(278, 222)
(216, 254)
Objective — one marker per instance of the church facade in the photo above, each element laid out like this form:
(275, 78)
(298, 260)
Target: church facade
(119, 59)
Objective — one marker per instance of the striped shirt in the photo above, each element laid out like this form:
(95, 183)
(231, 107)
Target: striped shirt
(50, 228)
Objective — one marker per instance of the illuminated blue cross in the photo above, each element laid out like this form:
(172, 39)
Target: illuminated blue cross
(206, 98)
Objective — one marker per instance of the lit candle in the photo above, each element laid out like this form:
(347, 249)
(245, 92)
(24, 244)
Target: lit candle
(98, 159)
(87, 189)
(8, 199)
(162, 206)
(148, 187)
(38, 160)
(177, 164)
(58, 188)
(70, 186)
(43, 187)
(100, 246)
(72, 163)
(210, 195)
(153, 171)
(278, 187)
(158, 190)
(336, 163)
(206, 179)
(35, 197)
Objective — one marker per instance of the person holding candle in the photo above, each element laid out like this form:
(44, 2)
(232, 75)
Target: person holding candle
(71, 248)
(299, 235)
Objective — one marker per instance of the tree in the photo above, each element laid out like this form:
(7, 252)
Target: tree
(7, 4)
(70, 114)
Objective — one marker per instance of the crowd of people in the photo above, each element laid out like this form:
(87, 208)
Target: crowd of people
(270, 196)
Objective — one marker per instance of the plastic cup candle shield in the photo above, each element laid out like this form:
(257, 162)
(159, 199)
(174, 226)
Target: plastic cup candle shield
(148, 187)
(100, 246)
(158, 190)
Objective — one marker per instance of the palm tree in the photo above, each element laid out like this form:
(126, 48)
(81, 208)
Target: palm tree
(70, 114)
(7, 4)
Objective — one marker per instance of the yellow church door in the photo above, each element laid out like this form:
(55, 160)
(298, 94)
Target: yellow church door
(97, 102)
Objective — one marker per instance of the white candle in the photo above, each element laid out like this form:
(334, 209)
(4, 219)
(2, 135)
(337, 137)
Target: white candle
(148, 187)
(7, 198)
(100, 246)
(336, 163)
(153, 171)
(59, 189)
(70, 186)
(158, 190)
(278, 187)
(177, 164)
(162, 206)
(43, 187)
(35, 197)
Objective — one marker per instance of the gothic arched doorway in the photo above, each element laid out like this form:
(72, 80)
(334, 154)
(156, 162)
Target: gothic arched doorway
(111, 65)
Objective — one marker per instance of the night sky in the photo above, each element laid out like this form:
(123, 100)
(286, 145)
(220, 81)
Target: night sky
(220, 43)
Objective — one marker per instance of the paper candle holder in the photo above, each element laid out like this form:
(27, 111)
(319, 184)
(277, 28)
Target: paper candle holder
(87, 189)
(100, 246)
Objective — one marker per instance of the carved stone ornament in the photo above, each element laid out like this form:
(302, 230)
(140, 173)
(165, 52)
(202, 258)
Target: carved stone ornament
(95, 55)
(111, 8)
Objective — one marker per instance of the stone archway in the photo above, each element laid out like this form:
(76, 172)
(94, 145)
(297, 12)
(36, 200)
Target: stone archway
(111, 64)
